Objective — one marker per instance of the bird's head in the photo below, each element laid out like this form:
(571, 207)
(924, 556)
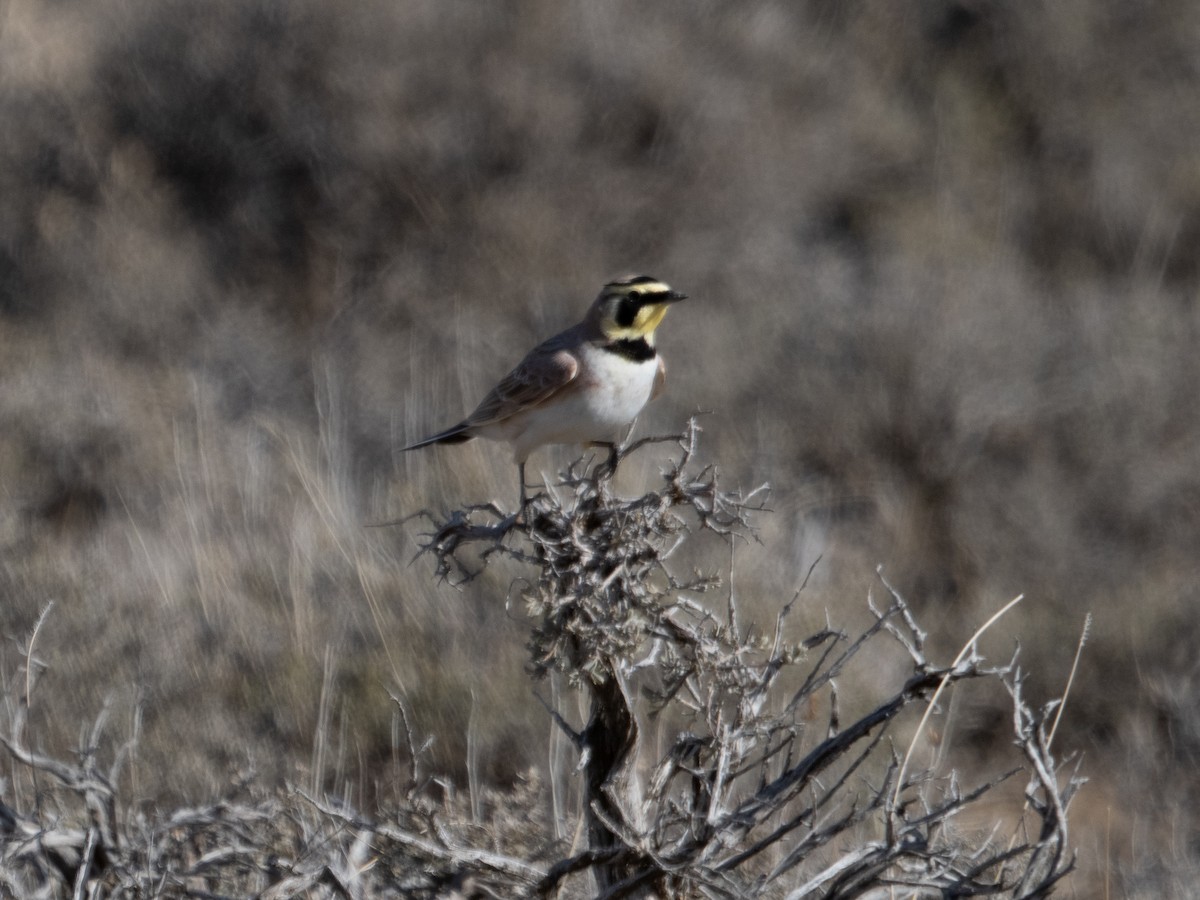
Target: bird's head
(629, 309)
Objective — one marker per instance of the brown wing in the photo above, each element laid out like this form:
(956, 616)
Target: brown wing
(547, 369)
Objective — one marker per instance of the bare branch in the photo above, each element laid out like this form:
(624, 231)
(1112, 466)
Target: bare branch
(751, 792)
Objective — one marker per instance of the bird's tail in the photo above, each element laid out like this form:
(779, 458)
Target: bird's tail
(456, 435)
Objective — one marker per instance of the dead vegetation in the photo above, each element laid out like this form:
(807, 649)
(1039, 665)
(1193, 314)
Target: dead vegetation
(758, 782)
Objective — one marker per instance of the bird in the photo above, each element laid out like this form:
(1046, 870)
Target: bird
(585, 385)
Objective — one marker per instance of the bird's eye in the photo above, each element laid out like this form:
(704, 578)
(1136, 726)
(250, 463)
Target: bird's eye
(626, 312)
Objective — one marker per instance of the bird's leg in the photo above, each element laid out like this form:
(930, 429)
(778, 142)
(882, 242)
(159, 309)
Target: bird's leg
(524, 498)
(607, 469)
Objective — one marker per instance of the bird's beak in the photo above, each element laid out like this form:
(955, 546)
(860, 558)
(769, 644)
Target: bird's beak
(671, 297)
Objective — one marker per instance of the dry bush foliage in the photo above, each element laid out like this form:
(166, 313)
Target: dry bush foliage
(752, 796)
(748, 797)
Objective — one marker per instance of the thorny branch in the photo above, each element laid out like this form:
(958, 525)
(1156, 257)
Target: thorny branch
(764, 782)
(748, 794)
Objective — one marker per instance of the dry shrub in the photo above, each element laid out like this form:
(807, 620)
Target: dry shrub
(746, 793)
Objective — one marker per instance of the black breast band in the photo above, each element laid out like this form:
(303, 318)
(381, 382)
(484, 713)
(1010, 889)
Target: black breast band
(636, 349)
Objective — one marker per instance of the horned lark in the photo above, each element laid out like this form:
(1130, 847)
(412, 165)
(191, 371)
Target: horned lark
(585, 385)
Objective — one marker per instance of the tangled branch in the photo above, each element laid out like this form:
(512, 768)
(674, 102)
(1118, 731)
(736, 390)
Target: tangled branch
(763, 782)
(747, 795)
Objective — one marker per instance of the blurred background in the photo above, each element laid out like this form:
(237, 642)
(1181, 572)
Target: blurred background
(942, 261)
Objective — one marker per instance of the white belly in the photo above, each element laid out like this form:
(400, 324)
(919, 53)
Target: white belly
(605, 399)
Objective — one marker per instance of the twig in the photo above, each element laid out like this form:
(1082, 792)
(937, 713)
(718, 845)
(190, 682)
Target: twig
(1062, 705)
(968, 647)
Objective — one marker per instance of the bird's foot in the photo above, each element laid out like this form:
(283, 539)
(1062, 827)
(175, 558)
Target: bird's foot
(605, 471)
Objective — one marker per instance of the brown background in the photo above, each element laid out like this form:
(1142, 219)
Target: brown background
(943, 266)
